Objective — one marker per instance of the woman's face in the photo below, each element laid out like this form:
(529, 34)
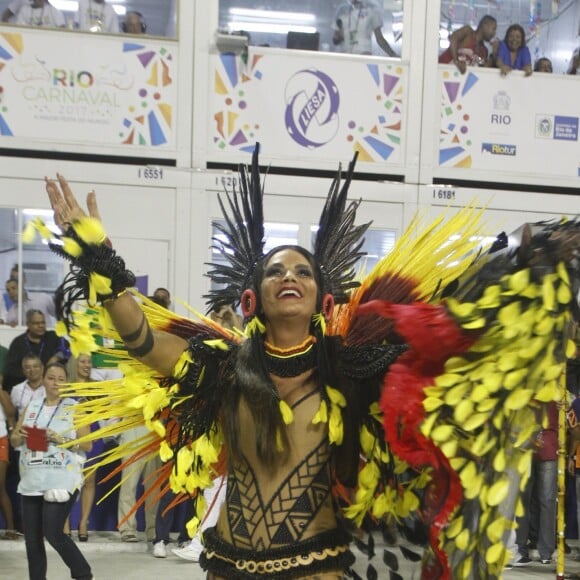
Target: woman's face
(84, 366)
(514, 39)
(54, 377)
(288, 288)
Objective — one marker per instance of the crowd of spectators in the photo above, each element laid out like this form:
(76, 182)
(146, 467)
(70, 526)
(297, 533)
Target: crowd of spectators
(356, 23)
(481, 47)
(23, 367)
(91, 15)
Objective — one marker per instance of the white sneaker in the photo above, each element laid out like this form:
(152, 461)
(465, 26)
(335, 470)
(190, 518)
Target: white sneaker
(159, 550)
(191, 552)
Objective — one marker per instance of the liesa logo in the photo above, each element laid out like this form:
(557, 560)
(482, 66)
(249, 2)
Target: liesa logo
(312, 101)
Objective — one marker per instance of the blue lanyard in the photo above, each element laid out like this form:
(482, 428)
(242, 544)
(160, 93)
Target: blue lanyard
(357, 18)
(29, 345)
(51, 417)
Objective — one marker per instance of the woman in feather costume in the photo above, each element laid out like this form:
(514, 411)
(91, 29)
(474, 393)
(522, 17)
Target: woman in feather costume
(407, 401)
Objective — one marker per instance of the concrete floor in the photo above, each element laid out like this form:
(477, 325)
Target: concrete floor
(112, 559)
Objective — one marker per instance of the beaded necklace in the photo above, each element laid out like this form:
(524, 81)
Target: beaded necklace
(291, 362)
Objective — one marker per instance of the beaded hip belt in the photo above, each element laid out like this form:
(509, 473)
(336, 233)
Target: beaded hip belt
(293, 561)
(280, 564)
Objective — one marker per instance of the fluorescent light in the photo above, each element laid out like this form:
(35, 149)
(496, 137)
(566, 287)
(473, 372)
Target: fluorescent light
(271, 28)
(270, 15)
(65, 5)
(281, 227)
(43, 213)
(73, 6)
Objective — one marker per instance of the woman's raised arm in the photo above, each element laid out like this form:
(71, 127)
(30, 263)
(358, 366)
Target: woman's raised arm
(158, 350)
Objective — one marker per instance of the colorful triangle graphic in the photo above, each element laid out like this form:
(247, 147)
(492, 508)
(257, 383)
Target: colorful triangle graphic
(15, 41)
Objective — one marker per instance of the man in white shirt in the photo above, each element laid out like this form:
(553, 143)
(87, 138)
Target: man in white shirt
(13, 8)
(354, 25)
(32, 387)
(33, 301)
(40, 13)
(97, 16)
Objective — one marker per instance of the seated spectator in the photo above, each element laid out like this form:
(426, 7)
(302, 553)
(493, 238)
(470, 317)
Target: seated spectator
(162, 297)
(30, 301)
(512, 52)
(543, 65)
(40, 13)
(97, 16)
(134, 23)
(7, 422)
(574, 67)
(7, 301)
(32, 387)
(467, 46)
(36, 340)
(13, 8)
(227, 317)
(356, 21)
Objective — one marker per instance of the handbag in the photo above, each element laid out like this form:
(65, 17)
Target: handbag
(56, 495)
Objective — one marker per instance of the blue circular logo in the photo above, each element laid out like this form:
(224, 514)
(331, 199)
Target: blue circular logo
(312, 101)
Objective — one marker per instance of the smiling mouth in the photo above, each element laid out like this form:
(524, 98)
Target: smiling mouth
(289, 293)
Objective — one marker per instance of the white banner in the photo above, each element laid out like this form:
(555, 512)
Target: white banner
(312, 108)
(514, 125)
(88, 89)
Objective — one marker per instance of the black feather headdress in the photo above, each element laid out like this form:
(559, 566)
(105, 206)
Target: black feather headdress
(243, 233)
(338, 240)
(336, 249)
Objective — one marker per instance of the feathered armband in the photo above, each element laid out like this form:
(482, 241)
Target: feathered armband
(97, 273)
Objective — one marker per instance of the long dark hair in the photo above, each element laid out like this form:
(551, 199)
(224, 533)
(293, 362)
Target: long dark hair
(253, 381)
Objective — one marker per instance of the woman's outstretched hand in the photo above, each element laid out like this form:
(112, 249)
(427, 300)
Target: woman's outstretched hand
(64, 203)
